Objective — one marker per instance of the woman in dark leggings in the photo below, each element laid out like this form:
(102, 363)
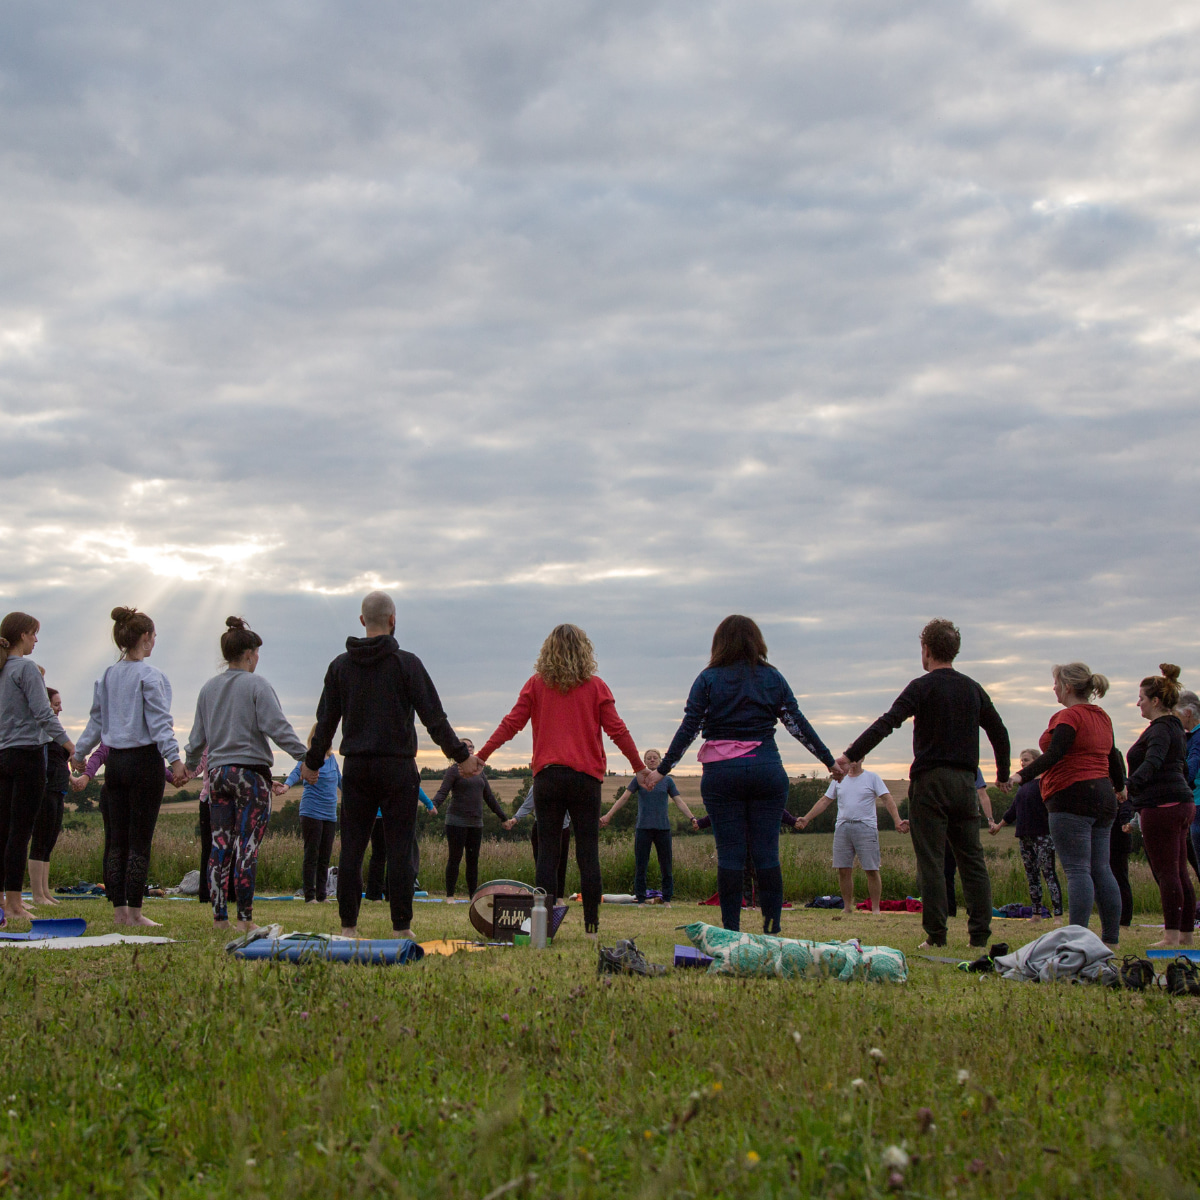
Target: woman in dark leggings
(27, 724)
(464, 799)
(1120, 844)
(564, 841)
(736, 701)
(131, 713)
(318, 822)
(48, 824)
(1159, 791)
(570, 707)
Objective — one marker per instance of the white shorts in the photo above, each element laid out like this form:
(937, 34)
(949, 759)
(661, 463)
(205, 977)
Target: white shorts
(856, 837)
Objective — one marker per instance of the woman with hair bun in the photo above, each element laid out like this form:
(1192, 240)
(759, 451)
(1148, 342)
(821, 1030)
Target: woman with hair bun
(1159, 791)
(131, 714)
(1082, 777)
(236, 712)
(570, 707)
(27, 724)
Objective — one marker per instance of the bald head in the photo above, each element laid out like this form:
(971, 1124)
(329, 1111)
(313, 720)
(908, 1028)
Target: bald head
(378, 613)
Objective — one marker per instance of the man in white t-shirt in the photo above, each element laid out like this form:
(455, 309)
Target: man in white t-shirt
(857, 829)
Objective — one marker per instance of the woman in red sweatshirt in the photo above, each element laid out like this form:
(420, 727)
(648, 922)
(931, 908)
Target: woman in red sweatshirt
(569, 705)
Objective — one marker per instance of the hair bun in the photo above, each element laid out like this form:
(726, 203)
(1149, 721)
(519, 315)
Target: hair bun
(4, 645)
(1169, 670)
(120, 615)
(235, 623)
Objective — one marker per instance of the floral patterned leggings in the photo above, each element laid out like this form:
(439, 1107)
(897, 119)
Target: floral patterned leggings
(1037, 856)
(239, 804)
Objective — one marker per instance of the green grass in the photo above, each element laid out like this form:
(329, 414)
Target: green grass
(178, 1071)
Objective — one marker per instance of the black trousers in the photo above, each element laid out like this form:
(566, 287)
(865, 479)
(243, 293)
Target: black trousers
(47, 826)
(460, 839)
(22, 785)
(135, 783)
(377, 870)
(1119, 846)
(564, 856)
(389, 785)
(318, 849)
(559, 791)
(205, 853)
(950, 869)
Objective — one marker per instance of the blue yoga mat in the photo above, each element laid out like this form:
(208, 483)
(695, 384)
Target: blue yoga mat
(49, 927)
(381, 952)
(1192, 953)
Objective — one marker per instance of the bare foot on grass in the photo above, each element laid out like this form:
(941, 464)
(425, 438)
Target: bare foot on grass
(350, 931)
(139, 919)
(221, 924)
(404, 935)
(248, 926)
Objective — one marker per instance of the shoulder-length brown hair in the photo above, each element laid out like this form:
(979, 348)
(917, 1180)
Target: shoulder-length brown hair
(737, 640)
(566, 659)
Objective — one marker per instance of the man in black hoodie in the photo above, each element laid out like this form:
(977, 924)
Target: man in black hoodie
(373, 690)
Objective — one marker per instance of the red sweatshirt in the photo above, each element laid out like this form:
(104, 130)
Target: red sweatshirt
(566, 729)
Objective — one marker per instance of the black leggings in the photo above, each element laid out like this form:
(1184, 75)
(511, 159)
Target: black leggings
(1119, 845)
(135, 783)
(388, 784)
(559, 791)
(22, 785)
(318, 849)
(564, 856)
(47, 826)
(458, 839)
(377, 879)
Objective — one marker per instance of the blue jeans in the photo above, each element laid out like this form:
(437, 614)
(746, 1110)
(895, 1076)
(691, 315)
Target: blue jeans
(745, 798)
(660, 839)
(1082, 846)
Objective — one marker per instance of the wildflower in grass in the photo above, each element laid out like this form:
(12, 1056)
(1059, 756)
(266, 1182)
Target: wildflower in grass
(796, 1036)
(752, 1158)
(12, 1112)
(716, 1087)
(963, 1076)
(877, 1054)
(895, 1158)
(858, 1083)
(648, 1134)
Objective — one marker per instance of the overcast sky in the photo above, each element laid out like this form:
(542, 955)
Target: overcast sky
(629, 314)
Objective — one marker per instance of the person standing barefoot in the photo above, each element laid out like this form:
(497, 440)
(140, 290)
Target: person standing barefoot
(131, 713)
(27, 724)
(236, 712)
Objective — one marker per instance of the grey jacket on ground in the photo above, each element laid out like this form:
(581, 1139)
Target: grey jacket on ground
(236, 712)
(26, 718)
(1072, 952)
(131, 707)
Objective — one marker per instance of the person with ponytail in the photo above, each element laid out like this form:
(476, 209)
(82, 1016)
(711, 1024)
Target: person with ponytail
(1158, 788)
(48, 824)
(1082, 778)
(131, 714)
(27, 724)
(237, 712)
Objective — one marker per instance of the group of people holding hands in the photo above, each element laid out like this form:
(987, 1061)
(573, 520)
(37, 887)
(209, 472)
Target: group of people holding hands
(375, 691)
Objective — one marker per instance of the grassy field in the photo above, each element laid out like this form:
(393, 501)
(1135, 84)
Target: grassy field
(178, 1071)
(806, 863)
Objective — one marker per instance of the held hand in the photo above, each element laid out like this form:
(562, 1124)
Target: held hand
(842, 764)
(1122, 796)
(604, 821)
(902, 827)
(801, 823)
(993, 828)
(470, 767)
(179, 775)
(278, 788)
(695, 825)
(308, 774)
(1014, 782)
(433, 810)
(1125, 828)
(510, 822)
(79, 782)
(649, 779)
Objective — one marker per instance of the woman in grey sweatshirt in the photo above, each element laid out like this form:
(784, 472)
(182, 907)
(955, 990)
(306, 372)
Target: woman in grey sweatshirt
(236, 713)
(27, 724)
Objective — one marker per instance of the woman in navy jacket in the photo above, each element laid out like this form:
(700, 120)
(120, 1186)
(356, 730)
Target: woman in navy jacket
(736, 701)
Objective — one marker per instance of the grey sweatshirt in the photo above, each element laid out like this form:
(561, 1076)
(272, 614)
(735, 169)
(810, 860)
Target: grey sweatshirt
(131, 707)
(236, 712)
(467, 798)
(26, 718)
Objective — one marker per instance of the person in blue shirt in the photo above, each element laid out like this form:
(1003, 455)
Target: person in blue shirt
(653, 826)
(1188, 711)
(376, 872)
(318, 823)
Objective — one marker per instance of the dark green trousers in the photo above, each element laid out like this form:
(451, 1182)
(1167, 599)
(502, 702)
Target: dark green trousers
(943, 808)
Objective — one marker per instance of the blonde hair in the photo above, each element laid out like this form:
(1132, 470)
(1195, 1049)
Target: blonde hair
(1077, 677)
(566, 658)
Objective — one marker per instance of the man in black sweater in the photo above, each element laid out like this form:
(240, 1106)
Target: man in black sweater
(373, 690)
(948, 710)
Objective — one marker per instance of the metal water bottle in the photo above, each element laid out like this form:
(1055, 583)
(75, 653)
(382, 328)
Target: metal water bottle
(538, 921)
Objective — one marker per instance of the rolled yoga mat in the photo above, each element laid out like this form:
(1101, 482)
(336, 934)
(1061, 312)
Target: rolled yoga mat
(304, 946)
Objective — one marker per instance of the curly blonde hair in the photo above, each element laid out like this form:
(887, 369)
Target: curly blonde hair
(566, 658)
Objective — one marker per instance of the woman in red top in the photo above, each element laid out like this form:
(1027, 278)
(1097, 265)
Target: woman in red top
(569, 706)
(1082, 773)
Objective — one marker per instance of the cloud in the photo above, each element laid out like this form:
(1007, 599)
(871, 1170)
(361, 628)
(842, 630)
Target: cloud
(630, 314)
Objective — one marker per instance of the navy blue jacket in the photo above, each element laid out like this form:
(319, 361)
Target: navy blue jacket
(742, 703)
